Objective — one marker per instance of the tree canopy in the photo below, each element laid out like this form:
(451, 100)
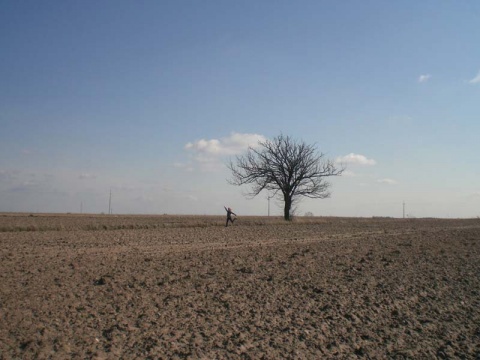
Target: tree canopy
(290, 169)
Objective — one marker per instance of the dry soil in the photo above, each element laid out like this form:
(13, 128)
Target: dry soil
(164, 287)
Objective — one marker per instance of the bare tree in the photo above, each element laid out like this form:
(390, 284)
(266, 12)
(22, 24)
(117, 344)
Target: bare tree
(288, 168)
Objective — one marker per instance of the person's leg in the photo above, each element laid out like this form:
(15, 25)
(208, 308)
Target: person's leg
(226, 224)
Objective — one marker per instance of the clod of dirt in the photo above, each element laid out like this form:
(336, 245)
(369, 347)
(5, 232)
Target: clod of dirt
(100, 281)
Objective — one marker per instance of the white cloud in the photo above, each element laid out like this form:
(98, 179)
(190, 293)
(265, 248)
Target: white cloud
(387, 181)
(231, 145)
(208, 153)
(355, 159)
(476, 79)
(424, 78)
(205, 146)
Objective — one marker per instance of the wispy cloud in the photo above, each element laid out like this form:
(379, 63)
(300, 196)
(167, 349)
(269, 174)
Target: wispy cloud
(424, 78)
(387, 181)
(356, 159)
(476, 79)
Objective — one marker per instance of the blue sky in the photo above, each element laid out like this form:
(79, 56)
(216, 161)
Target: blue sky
(151, 98)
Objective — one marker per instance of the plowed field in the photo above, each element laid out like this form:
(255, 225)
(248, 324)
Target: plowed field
(165, 287)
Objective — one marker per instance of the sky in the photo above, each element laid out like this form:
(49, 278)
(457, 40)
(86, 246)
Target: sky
(151, 99)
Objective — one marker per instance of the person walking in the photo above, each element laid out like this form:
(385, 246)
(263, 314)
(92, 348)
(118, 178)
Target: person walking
(229, 215)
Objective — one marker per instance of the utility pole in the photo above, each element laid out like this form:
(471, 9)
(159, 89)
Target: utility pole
(110, 202)
(268, 198)
(404, 209)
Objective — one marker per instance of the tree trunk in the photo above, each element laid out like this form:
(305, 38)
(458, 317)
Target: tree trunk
(286, 210)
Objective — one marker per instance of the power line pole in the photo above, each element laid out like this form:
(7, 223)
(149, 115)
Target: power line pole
(404, 209)
(110, 202)
(268, 198)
